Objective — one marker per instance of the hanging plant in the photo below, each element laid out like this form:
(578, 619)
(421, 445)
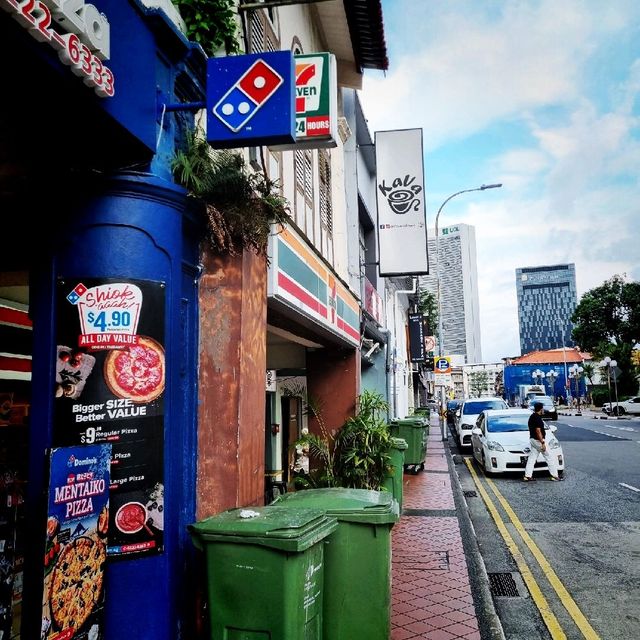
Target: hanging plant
(211, 23)
(240, 204)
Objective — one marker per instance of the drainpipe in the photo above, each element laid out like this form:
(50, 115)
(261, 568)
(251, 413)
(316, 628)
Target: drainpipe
(387, 368)
(396, 293)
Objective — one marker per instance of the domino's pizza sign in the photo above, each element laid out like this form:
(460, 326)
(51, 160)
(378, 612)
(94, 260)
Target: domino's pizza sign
(251, 100)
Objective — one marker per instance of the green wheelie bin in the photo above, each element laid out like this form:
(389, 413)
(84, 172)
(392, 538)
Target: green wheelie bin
(357, 578)
(393, 481)
(265, 572)
(414, 431)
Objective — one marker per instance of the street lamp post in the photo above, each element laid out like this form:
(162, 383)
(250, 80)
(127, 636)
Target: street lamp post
(575, 371)
(483, 187)
(609, 364)
(552, 376)
(537, 375)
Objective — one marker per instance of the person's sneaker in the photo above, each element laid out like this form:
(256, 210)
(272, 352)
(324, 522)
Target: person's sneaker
(527, 479)
(556, 479)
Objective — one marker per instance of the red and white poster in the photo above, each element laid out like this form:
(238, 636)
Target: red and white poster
(110, 372)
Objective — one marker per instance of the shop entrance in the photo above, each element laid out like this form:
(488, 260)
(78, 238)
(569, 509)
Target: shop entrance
(15, 401)
(291, 425)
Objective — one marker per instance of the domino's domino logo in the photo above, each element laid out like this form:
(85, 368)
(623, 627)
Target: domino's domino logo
(248, 95)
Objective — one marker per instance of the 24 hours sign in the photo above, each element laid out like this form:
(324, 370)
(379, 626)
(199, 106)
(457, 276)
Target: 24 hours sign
(110, 372)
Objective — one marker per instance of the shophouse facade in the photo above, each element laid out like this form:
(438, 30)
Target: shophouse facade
(95, 217)
(360, 189)
(482, 379)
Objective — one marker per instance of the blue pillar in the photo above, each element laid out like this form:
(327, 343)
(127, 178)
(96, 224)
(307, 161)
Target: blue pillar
(129, 226)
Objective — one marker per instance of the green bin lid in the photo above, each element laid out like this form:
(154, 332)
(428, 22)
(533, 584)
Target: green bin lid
(399, 443)
(271, 526)
(418, 422)
(352, 505)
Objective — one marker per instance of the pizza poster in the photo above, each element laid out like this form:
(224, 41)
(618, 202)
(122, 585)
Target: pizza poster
(109, 388)
(76, 543)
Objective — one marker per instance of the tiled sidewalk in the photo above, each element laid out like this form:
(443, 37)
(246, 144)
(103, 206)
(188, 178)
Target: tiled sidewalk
(431, 593)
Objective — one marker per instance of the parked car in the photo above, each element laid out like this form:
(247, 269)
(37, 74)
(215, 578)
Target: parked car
(631, 406)
(452, 407)
(549, 409)
(468, 413)
(500, 442)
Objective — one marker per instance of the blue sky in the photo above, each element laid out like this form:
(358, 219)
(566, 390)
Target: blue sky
(541, 95)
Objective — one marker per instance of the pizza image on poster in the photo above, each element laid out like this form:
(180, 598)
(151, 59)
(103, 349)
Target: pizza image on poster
(136, 373)
(76, 543)
(110, 384)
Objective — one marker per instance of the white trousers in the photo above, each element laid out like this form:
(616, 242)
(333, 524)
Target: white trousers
(550, 458)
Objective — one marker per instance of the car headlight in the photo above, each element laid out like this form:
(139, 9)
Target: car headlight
(554, 444)
(494, 446)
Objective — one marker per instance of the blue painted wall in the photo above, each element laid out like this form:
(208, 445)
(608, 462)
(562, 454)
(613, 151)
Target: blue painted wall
(515, 375)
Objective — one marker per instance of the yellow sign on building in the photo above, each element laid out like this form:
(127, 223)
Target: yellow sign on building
(442, 364)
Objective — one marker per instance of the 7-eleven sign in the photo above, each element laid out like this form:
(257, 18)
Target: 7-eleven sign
(316, 102)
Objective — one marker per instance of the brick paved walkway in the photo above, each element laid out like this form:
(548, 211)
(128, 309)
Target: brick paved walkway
(431, 594)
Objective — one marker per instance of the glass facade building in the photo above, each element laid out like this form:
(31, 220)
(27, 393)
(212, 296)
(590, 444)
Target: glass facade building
(547, 298)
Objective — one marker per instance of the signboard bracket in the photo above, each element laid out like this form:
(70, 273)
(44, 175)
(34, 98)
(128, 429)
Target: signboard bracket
(184, 106)
(263, 4)
(165, 106)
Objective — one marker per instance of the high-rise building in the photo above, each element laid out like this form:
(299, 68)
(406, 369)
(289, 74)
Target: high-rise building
(458, 290)
(546, 300)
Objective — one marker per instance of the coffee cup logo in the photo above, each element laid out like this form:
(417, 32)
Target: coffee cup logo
(402, 194)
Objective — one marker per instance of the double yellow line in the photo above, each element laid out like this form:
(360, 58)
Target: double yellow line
(534, 589)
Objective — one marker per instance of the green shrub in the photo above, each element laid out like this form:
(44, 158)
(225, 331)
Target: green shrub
(599, 396)
(357, 457)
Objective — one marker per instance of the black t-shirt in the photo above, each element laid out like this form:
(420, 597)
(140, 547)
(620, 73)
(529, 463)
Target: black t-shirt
(535, 423)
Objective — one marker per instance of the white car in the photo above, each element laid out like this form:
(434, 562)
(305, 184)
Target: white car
(468, 413)
(631, 406)
(500, 442)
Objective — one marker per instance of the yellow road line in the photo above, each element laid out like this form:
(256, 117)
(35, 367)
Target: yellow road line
(536, 594)
(566, 599)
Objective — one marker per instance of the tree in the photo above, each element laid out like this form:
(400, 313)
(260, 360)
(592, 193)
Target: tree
(428, 305)
(589, 369)
(607, 323)
(478, 381)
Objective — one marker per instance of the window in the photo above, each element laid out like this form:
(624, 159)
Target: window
(262, 32)
(326, 204)
(474, 408)
(326, 211)
(304, 192)
(274, 168)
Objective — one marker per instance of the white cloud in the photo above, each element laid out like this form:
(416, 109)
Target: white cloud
(468, 70)
(571, 182)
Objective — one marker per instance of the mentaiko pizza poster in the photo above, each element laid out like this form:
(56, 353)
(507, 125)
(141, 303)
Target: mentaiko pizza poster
(110, 373)
(76, 543)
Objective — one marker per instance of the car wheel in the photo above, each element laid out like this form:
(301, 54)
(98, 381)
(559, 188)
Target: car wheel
(619, 411)
(560, 473)
(485, 468)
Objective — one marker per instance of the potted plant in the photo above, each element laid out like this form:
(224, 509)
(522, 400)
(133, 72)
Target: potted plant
(357, 456)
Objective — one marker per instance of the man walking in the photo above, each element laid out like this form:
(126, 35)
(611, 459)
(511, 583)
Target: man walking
(538, 445)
